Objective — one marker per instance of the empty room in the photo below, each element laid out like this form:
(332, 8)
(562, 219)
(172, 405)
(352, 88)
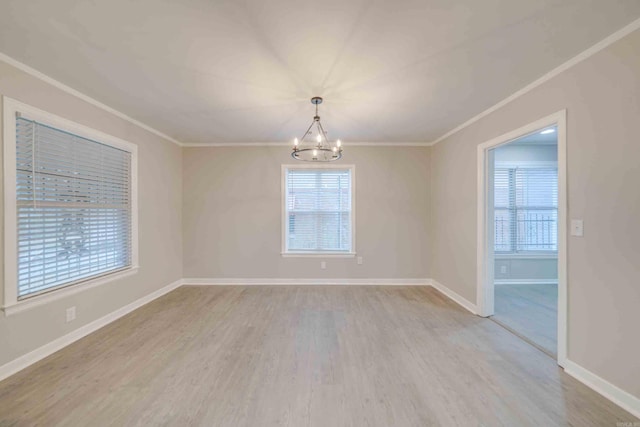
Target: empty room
(363, 213)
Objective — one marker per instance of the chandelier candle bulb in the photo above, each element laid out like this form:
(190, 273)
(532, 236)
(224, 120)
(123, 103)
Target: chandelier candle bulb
(320, 150)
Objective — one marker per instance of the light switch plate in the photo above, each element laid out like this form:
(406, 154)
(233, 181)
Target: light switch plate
(359, 260)
(577, 227)
(323, 264)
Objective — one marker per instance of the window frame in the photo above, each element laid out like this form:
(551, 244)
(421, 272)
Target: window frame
(11, 302)
(525, 164)
(284, 217)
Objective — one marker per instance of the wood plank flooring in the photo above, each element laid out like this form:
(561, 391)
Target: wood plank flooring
(530, 311)
(301, 356)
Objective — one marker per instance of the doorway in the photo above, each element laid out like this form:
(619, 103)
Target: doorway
(522, 233)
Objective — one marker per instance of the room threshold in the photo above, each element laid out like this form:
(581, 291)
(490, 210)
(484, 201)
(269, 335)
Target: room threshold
(524, 338)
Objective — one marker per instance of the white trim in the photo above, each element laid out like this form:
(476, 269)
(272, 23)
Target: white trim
(11, 108)
(135, 244)
(485, 256)
(290, 144)
(303, 282)
(41, 76)
(506, 282)
(606, 42)
(563, 232)
(484, 262)
(10, 288)
(455, 297)
(40, 353)
(623, 399)
(283, 202)
(551, 74)
(618, 396)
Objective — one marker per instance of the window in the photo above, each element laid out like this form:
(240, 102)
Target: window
(72, 217)
(526, 209)
(318, 210)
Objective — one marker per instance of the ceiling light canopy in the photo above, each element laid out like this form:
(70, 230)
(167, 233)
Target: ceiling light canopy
(316, 148)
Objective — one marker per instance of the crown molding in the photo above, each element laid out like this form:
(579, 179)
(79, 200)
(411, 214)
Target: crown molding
(53, 82)
(606, 42)
(288, 144)
(602, 44)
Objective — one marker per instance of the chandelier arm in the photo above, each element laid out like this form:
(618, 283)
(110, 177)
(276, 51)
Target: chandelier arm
(305, 134)
(323, 132)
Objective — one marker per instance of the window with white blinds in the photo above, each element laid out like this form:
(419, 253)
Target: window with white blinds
(73, 208)
(526, 209)
(318, 210)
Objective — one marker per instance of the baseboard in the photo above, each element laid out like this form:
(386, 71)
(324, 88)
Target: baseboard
(455, 297)
(381, 282)
(500, 282)
(282, 281)
(618, 396)
(40, 353)
(623, 399)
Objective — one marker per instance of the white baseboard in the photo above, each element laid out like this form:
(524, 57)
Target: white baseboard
(281, 281)
(382, 282)
(626, 401)
(40, 353)
(455, 297)
(618, 396)
(500, 282)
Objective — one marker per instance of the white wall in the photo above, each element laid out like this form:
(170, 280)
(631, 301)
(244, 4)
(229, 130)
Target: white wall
(160, 210)
(232, 214)
(601, 95)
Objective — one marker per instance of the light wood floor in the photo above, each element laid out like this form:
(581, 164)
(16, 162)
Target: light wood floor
(301, 356)
(530, 311)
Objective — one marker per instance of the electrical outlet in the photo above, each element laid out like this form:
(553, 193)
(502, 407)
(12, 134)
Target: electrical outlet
(71, 314)
(503, 269)
(359, 260)
(323, 264)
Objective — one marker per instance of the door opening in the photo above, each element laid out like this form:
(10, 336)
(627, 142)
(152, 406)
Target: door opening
(522, 233)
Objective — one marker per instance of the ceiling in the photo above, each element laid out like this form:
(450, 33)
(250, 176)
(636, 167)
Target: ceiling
(206, 71)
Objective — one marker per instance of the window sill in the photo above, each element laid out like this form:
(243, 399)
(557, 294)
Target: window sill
(57, 294)
(318, 254)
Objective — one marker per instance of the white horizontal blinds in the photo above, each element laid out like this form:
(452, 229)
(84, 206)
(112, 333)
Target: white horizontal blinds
(503, 178)
(526, 209)
(536, 203)
(318, 204)
(74, 208)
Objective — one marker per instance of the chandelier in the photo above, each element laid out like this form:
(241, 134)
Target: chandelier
(320, 150)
